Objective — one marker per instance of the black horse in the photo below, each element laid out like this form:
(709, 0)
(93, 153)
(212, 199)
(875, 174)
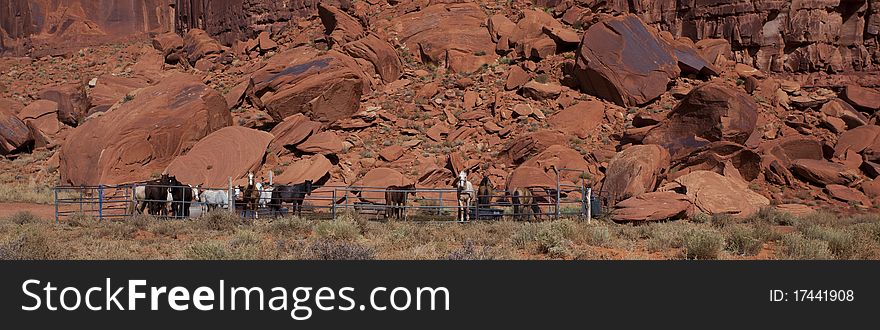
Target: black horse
(182, 196)
(156, 195)
(395, 200)
(294, 194)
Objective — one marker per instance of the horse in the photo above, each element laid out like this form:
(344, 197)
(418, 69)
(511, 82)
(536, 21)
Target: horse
(484, 193)
(213, 199)
(265, 191)
(182, 196)
(294, 194)
(523, 200)
(395, 200)
(465, 193)
(153, 193)
(249, 196)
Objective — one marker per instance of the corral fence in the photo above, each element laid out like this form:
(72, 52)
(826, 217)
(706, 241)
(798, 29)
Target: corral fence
(565, 200)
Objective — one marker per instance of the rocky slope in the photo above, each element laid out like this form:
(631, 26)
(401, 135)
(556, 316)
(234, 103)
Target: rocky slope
(666, 108)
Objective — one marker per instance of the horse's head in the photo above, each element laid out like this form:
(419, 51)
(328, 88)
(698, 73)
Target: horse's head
(308, 186)
(411, 188)
(485, 181)
(250, 178)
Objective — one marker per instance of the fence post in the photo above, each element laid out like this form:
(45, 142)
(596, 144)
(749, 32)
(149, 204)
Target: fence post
(590, 205)
(56, 204)
(333, 204)
(231, 197)
(100, 202)
(558, 195)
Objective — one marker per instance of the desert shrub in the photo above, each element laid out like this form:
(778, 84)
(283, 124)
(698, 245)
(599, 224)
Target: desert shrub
(842, 242)
(722, 220)
(28, 245)
(597, 236)
(772, 216)
(665, 235)
(328, 249)
(140, 221)
(210, 250)
(796, 246)
(338, 229)
(743, 240)
(469, 251)
(701, 243)
(288, 226)
(219, 220)
(80, 220)
(701, 217)
(552, 241)
(524, 235)
(23, 217)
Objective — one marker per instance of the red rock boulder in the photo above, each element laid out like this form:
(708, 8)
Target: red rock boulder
(713, 193)
(14, 133)
(292, 131)
(711, 112)
(652, 206)
(822, 172)
(621, 61)
(325, 143)
(580, 119)
(143, 135)
(324, 87)
(73, 102)
(633, 171)
(228, 152)
(450, 35)
(313, 168)
(862, 98)
(374, 182)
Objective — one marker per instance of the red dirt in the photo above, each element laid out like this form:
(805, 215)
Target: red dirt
(42, 211)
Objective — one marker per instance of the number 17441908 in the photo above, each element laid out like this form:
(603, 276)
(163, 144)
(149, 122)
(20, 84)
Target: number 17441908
(812, 295)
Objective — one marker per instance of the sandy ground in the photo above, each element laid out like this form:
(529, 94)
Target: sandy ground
(43, 211)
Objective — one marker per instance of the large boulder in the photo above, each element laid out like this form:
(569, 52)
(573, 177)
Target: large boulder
(324, 87)
(14, 133)
(199, 45)
(73, 102)
(621, 61)
(325, 143)
(313, 168)
(110, 89)
(528, 176)
(373, 184)
(292, 131)
(560, 157)
(633, 171)
(143, 135)
(580, 119)
(524, 147)
(711, 112)
(713, 193)
(345, 31)
(451, 35)
(230, 152)
(823, 172)
(862, 139)
(41, 116)
(652, 206)
(862, 98)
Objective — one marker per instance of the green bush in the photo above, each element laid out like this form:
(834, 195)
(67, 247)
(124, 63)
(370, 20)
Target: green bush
(702, 244)
(338, 229)
(743, 240)
(796, 246)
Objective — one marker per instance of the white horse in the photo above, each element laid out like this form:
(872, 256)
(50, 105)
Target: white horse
(213, 199)
(265, 194)
(465, 191)
(140, 195)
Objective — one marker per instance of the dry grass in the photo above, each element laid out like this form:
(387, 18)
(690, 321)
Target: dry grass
(221, 236)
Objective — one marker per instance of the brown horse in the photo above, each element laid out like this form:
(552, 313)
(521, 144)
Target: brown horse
(524, 201)
(395, 200)
(250, 197)
(484, 194)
